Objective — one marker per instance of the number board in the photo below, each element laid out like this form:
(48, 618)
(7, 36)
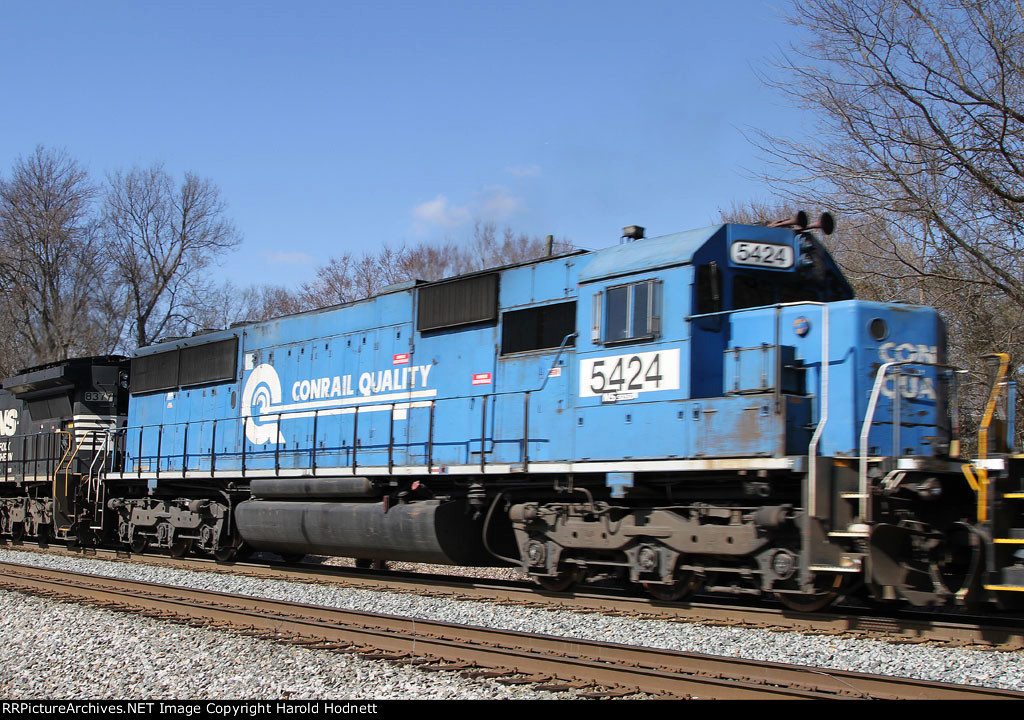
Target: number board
(630, 373)
(769, 255)
(103, 397)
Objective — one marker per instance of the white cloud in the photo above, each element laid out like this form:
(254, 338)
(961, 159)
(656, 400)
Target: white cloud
(497, 204)
(493, 203)
(440, 212)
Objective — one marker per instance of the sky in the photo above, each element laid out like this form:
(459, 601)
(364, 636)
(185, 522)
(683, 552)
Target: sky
(341, 125)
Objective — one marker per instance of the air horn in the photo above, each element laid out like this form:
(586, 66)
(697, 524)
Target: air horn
(826, 223)
(798, 221)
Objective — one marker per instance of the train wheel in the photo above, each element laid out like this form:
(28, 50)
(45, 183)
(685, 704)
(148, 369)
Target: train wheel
(813, 602)
(674, 592)
(180, 548)
(139, 544)
(225, 554)
(228, 553)
(561, 582)
(17, 532)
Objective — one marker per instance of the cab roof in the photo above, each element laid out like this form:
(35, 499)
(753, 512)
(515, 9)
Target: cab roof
(656, 252)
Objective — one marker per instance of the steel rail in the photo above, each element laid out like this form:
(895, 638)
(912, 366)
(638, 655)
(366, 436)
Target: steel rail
(539, 657)
(991, 633)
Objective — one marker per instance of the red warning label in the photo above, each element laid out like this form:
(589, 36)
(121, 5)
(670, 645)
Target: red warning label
(481, 378)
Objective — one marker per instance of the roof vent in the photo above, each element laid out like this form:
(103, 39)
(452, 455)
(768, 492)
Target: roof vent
(632, 233)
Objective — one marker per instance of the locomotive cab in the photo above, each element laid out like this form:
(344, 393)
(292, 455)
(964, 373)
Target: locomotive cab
(749, 267)
(770, 485)
(57, 420)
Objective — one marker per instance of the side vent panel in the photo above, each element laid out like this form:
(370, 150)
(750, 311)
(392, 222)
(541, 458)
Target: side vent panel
(466, 301)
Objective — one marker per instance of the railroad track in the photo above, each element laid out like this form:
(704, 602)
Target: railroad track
(544, 661)
(999, 633)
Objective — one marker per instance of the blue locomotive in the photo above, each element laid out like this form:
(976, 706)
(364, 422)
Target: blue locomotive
(710, 409)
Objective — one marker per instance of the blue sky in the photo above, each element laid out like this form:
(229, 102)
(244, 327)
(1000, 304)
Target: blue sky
(334, 126)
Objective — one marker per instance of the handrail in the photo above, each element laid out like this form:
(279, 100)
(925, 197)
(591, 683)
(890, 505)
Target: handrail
(869, 417)
(812, 448)
(100, 456)
(356, 409)
(990, 409)
(554, 362)
(823, 394)
(27, 458)
(755, 307)
(56, 470)
(70, 456)
(308, 412)
(241, 422)
(67, 451)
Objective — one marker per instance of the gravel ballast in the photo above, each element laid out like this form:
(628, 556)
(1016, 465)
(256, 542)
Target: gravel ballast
(52, 650)
(146, 658)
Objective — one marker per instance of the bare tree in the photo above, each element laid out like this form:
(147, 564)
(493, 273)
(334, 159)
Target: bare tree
(161, 237)
(336, 282)
(226, 304)
(431, 261)
(855, 249)
(48, 268)
(267, 301)
(348, 278)
(919, 132)
(918, 144)
(487, 250)
(757, 212)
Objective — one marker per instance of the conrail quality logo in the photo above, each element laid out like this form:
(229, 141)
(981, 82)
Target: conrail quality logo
(911, 386)
(262, 391)
(264, 405)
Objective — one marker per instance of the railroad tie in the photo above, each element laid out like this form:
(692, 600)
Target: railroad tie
(485, 673)
(447, 667)
(390, 656)
(528, 680)
(598, 694)
(328, 645)
(304, 641)
(415, 661)
(562, 686)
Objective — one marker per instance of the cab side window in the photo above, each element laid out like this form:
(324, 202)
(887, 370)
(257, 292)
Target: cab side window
(631, 312)
(709, 289)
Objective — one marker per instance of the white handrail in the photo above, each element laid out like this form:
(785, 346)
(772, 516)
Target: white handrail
(812, 449)
(869, 418)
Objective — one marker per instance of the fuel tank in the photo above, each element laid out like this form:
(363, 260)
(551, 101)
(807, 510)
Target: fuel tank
(427, 531)
(308, 488)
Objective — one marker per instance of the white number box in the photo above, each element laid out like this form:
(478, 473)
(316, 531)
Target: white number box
(630, 373)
